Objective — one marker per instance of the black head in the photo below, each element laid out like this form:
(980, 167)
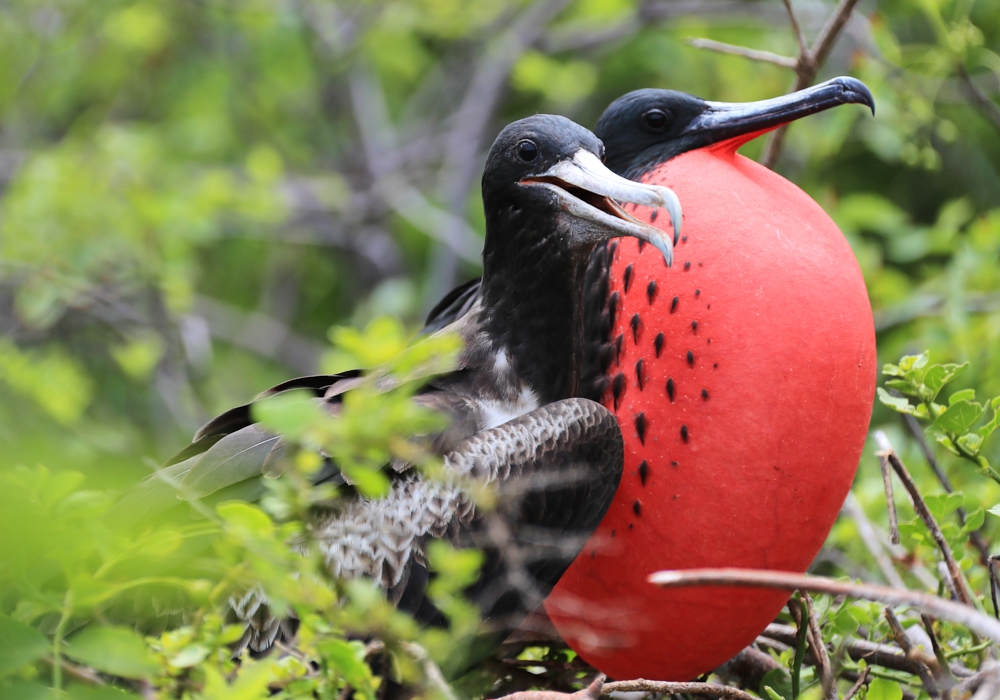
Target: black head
(544, 179)
(647, 127)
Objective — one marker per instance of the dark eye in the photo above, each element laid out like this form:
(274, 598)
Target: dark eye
(527, 150)
(656, 119)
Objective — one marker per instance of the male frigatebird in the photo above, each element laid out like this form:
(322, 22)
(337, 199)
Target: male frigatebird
(686, 358)
(515, 419)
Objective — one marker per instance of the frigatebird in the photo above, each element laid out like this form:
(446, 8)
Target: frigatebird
(516, 421)
(642, 130)
(669, 352)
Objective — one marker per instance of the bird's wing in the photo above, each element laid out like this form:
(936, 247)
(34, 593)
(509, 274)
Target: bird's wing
(453, 306)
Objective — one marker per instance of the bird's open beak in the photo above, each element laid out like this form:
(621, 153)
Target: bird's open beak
(590, 193)
(725, 120)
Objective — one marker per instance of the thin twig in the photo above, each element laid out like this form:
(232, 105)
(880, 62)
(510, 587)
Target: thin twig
(912, 653)
(872, 653)
(979, 99)
(819, 651)
(797, 28)
(431, 671)
(994, 584)
(782, 580)
(806, 68)
(668, 688)
(942, 672)
(976, 536)
(890, 502)
(858, 684)
(852, 508)
(752, 54)
(955, 574)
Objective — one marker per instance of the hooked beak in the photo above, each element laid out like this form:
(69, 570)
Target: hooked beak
(725, 120)
(588, 191)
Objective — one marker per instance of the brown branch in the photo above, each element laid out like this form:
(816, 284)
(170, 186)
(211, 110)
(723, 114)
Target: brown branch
(890, 502)
(919, 659)
(976, 536)
(986, 684)
(858, 684)
(819, 651)
(954, 573)
(852, 508)
(591, 692)
(781, 637)
(942, 671)
(752, 54)
(669, 688)
(782, 580)
(979, 99)
(808, 65)
(797, 28)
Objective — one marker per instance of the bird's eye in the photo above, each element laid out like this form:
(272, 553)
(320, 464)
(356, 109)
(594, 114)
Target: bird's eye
(655, 119)
(527, 150)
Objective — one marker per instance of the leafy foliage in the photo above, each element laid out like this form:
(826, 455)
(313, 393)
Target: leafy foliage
(192, 193)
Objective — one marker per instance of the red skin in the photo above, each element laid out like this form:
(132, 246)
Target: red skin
(785, 349)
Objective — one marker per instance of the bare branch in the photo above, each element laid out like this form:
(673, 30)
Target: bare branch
(979, 99)
(912, 653)
(890, 501)
(828, 34)
(669, 688)
(858, 684)
(819, 651)
(955, 573)
(782, 580)
(797, 28)
(976, 536)
(752, 54)
(852, 508)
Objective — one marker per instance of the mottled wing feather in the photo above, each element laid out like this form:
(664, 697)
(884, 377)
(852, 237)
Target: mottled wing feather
(236, 457)
(453, 306)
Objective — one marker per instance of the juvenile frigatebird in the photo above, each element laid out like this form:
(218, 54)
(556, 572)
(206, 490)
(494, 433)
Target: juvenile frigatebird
(516, 421)
(641, 131)
(685, 358)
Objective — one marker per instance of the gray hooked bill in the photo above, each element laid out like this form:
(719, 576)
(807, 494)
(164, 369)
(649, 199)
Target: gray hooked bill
(589, 191)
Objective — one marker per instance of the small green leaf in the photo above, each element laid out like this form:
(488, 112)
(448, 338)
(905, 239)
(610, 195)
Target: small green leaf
(115, 650)
(959, 416)
(946, 443)
(370, 482)
(245, 516)
(995, 510)
(971, 442)
(891, 370)
(975, 519)
(290, 413)
(904, 386)
(896, 403)
(771, 694)
(914, 363)
(20, 645)
(963, 395)
(939, 375)
(882, 689)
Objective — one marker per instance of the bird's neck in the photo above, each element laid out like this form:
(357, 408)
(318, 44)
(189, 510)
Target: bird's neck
(533, 311)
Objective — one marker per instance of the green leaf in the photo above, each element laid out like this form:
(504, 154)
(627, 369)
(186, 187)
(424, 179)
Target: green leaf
(20, 645)
(370, 482)
(246, 517)
(777, 683)
(975, 519)
(882, 689)
(959, 416)
(27, 690)
(946, 443)
(939, 375)
(971, 442)
(289, 413)
(963, 395)
(904, 386)
(995, 510)
(914, 363)
(896, 403)
(119, 651)
(771, 694)
(891, 370)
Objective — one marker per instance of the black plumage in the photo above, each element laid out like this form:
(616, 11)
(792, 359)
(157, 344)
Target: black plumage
(515, 420)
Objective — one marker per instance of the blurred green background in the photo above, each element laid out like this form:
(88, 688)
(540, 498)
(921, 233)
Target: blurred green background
(192, 192)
